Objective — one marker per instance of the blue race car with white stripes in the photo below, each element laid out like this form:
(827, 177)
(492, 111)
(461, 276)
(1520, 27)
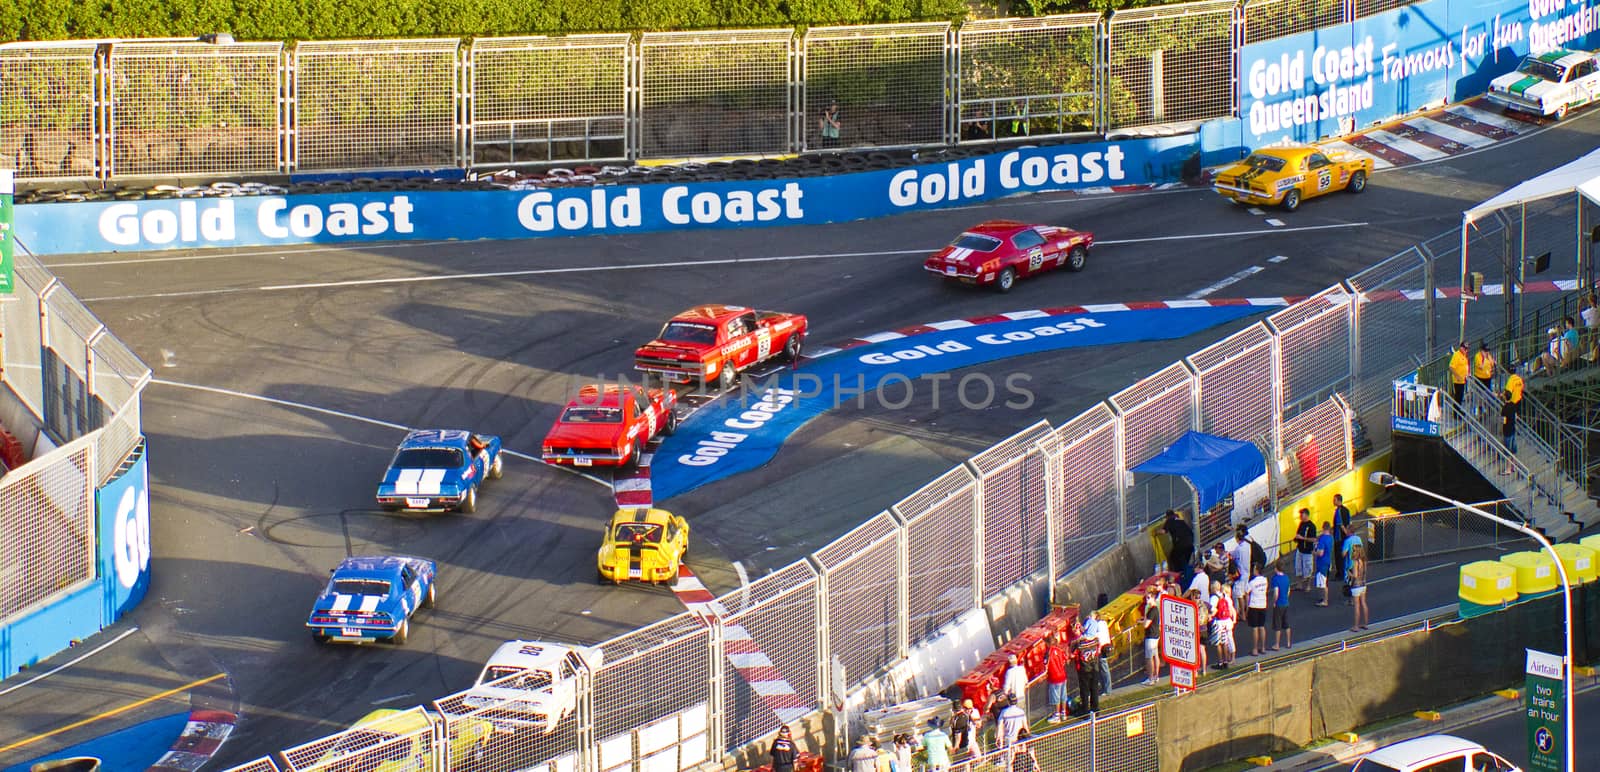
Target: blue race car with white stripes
(440, 470)
(372, 599)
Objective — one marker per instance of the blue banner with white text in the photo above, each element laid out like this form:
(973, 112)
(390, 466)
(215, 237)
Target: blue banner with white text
(1327, 81)
(48, 229)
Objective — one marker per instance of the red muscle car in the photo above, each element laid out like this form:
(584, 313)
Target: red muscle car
(610, 425)
(999, 252)
(716, 342)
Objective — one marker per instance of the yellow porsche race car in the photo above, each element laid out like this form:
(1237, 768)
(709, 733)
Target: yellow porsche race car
(643, 545)
(388, 740)
(1289, 174)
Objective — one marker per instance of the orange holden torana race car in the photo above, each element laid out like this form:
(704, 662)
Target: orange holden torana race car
(716, 342)
(998, 252)
(610, 425)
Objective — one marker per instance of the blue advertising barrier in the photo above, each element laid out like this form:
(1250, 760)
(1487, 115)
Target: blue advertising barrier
(744, 431)
(49, 229)
(122, 567)
(1301, 87)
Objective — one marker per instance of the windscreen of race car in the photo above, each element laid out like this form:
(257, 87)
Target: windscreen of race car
(592, 415)
(976, 243)
(429, 458)
(681, 332)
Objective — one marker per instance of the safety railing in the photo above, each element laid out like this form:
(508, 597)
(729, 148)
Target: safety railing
(117, 110)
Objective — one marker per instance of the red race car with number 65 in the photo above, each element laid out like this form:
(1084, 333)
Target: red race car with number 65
(999, 252)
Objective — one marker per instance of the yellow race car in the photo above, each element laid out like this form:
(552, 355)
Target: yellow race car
(643, 545)
(388, 740)
(1288, 174)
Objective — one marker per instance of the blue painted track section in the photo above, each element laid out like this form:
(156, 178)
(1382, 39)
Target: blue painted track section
(742, 432)
(134, 748)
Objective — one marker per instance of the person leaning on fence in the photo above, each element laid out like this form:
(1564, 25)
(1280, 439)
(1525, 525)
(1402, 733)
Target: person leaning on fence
(783, 751)
(1460, 368)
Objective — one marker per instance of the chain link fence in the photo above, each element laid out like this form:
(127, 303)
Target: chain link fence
(1268, 19)
(1170, 64)
(48, 110)
(196, 108)
(376, 104)
(1028, 77)
(889, 81)
(547, 99)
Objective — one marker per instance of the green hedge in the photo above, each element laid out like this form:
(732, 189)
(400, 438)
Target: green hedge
(338, 19)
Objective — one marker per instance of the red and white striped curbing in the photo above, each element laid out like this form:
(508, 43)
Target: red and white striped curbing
(753, 665)
(631, 487)
(202, 736)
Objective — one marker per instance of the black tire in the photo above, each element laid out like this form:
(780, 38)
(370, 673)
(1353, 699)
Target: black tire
(400, 635)
(497, 469)
(469, 503)
(1358, 182)
(390, 507)
(1561, 112)
(1077, 258)
(318, 638)
(671, 425)
(1006, 280)
(635, 454)
(727, 379)
(432, 595)
(1291, 200)
(791, 348)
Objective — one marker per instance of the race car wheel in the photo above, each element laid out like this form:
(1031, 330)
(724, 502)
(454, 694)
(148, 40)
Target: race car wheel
(1077, 258)
(432, 593)
(400, 635)
(469, 503)
(318, 638)
(1291, 201)
(727, 378)
(791, 349)
(636, 454)
(497, 469)
(1007, 278)
(1358, 182)
(671, 425)
(1561, 112)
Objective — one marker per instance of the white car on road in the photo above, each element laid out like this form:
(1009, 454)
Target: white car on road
(1549, 84)
(530, 684)
(1433, 752)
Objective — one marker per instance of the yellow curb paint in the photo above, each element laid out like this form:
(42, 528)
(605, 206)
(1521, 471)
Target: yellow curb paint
(1427, 715)
(109, 713)
(1510, 694)
(1347, 737)
(1584, 670)
(1260, 761)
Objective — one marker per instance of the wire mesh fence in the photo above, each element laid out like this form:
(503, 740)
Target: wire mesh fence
(888, 81)
(941, 571)
(1232, 401)
(47, 529)
(401, 737)
(1440, 531)
(259, 765)
(861, 593)
(781, 611)
(1170, 64)
(1268, 19)
(1027, 77)
(193, 108)
(544, 99)
(715, 92)
(1088, 501)
(47, 110)
(1016, 509)
(376, 104)
(1314, 342)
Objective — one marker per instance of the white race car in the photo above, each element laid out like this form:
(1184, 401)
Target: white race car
(1549, 84)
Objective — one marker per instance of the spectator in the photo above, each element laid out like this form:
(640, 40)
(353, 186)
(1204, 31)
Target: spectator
(1102, 634)
(965, 721)
(1459, 368)
(1483, 366)
(783, 751)
(1508, 425)
(1514, 384)
(1557, 354)
(1569, 331)
(864, 758)
(936, 744)
(1055, 672)
(1589, 313)
(904, 746)
(1351, 541)
(1022, 758)
(885, 759)
(1358, 585)
(1011, 721)
(1086, 659)
(1200, 580)
(1258, 555)
(1324, 556)
(1202, 622)
(1238, 585)
(1223, 616)
(1182, 536)
(1341, 524)
(1305, 545)
(1255, 613)
(1217, 563)
(1015, 683)
(1281, 636)
(1241, 551)
(830, 124)
(1152, 636)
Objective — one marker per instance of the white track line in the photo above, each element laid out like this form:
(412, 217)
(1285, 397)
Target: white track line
(1231, 280)
(75, 660)
(650, 266)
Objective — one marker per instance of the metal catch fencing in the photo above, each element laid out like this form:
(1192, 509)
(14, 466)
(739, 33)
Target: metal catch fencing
(126, 110)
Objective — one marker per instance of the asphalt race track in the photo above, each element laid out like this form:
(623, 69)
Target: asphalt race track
(286, 376)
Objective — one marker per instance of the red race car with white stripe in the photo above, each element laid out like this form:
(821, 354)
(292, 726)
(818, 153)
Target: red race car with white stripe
(998, 252)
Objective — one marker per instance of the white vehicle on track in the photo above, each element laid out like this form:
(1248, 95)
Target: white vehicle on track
(531, 684)
(1549, 84)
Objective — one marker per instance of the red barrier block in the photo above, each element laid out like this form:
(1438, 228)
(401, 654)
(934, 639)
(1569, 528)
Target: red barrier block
(11, 450)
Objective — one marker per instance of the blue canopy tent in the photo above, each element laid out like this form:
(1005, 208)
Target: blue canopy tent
(1214, 466)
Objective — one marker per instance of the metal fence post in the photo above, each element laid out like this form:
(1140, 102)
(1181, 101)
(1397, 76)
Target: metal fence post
(902, 583)
(588, 751)
(716, 723)
(1120, 456)
(977, 533)
(824, 672)
(632, 102)
(1052, 532)
(1094, 731)
(952, 87)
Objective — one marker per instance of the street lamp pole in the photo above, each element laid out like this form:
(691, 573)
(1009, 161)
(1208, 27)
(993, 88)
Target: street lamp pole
(1389, 481)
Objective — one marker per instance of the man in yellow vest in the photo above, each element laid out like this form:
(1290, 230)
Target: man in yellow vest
(1483, 365)
(1514, 386)
(1459, 368)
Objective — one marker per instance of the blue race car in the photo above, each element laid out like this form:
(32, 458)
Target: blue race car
(439, 469)
(372, 599)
